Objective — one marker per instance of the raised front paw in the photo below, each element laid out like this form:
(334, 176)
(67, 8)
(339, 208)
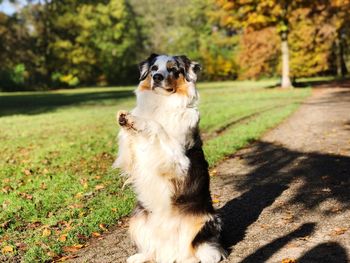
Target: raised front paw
(125, 119)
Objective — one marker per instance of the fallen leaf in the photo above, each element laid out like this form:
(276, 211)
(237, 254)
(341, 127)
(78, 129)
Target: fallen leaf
(335, 209)
(215, 201)
(43, 186)
(46, 232)
(21, 246)
(7, 249)
(99, 187)
(79, 195)
(289, 260)
(74, 248)
(339, 231)
(51, 254)
(95, 234)
(27, 172)
(63, 238)
(212, 172)
(103, 227)
(7, 189)
(26, 196)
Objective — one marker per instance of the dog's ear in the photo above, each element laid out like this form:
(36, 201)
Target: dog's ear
(144, 66)
(188, 68)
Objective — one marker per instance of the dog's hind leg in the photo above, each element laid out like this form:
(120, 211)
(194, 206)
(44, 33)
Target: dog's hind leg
(208, 253)
(141, 235)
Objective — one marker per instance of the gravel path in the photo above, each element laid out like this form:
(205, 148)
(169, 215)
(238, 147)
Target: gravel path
(285, 197)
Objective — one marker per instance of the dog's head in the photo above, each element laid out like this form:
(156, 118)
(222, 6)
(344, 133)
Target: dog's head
(167, 74)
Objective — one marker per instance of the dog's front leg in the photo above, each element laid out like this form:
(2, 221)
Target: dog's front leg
(172, 156)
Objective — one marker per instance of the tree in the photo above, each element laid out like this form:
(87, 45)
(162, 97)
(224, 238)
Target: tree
(339, 15)
(196, 34)
(311, 41)
(262, 14)
(258, 53)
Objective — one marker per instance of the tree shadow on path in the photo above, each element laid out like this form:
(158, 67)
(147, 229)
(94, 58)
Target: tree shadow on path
(325, 253)
(322, 176)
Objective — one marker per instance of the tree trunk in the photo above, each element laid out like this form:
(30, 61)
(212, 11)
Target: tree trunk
(341, 65)
(285, 83)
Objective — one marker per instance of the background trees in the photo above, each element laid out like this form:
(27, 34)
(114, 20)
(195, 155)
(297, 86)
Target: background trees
(67, 43)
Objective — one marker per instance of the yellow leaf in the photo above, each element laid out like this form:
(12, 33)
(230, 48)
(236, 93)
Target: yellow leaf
(46, 232)
(7, 249)
(215, 201)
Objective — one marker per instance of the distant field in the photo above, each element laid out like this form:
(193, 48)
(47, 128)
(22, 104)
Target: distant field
(56, 185)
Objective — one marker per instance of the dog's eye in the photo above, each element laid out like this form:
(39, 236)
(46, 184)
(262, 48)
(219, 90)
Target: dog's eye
(154, 68)
(171, 69)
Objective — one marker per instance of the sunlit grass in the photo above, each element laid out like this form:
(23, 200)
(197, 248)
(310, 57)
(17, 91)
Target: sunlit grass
(57, 149)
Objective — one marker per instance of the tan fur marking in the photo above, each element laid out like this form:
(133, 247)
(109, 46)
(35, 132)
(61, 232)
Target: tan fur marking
(179, 85)
(196, 223)
(145, 84)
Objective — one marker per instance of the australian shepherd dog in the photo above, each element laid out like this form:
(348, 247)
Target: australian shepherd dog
(160, 151)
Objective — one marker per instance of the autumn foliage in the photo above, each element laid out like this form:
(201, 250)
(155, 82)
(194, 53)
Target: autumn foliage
(71, 43)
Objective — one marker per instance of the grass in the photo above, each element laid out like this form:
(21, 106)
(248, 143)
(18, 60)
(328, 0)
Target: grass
(57, 188)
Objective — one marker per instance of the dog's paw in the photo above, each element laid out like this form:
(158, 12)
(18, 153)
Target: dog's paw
(126, 120)
(138, 258)
(122, 117)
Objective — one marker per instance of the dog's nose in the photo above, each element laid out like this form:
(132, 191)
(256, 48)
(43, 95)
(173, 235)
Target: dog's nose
(158, 77)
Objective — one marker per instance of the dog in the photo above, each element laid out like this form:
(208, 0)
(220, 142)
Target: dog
(160, 151)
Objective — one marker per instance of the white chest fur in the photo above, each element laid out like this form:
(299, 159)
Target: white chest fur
(158, 158)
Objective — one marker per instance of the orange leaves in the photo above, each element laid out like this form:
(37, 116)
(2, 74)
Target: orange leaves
(288, 260)
(103, 227)
(339, 231)
(95, 234)
(72, 249)
(63, 238)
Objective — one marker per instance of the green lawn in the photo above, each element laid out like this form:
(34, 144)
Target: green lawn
(56, 185)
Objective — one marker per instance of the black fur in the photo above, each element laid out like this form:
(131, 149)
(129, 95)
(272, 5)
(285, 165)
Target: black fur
(185, 64)
(194, 197)
(149, 62)
(210, 232)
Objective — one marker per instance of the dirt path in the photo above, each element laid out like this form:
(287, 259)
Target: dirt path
(286, 196)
